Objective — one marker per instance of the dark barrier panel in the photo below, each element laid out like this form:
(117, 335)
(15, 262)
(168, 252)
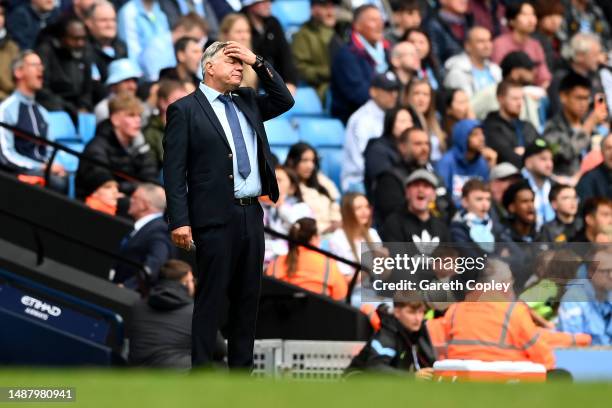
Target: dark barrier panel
(55, 275)
(288, 312)
(49, 327)
(61, 214)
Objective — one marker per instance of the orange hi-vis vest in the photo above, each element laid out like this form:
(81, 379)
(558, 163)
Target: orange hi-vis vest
(495, 331)
(314, 272)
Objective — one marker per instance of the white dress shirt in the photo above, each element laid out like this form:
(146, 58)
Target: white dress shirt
(251, 186)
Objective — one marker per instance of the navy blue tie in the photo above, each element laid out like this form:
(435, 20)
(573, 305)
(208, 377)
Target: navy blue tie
(242, 157)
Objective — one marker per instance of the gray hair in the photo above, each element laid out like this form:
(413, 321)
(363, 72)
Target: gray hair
(496, 270)
(20, 60)
(155, 195)
(91, 11)
(581, 43)
(210, 53)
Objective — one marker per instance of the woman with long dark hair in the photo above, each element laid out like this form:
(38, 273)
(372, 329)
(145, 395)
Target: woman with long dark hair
(318, 191)
(422, 98)
(430, 66)
(381, 153)
(306, 268)
(456, 107)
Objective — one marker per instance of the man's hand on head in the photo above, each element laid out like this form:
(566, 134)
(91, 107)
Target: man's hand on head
(239, 51)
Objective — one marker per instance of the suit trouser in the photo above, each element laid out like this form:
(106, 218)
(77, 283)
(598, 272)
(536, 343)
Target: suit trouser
(230, 266)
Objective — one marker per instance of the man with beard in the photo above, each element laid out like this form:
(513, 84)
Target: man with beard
(67, 77)
(538, 161)
(516, 67)
(415, 223)
(388, 191)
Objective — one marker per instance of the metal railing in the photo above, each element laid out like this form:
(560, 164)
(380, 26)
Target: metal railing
(133, 178)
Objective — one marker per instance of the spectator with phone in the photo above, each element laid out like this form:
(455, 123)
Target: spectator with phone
(570, 131)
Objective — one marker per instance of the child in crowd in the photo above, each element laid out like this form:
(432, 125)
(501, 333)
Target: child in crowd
(564, 201)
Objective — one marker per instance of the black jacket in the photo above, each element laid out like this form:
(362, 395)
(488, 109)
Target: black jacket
(198, 167)
(24, 24)
(595, 183)
(150, 246)
(557, 231)
(392, 349)
(379, 156)
(67, 80)
(139, 161)
(388, 193)
(160, 333)
(272, 45)
(102, 60)
(403, 226)
(501, 136)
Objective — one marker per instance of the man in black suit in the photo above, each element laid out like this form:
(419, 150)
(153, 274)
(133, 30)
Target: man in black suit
(217, 161)
(148, 243)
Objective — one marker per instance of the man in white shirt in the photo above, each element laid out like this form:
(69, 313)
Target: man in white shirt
(365, 124)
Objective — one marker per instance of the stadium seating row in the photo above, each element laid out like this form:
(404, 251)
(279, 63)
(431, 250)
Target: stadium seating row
(306, 121)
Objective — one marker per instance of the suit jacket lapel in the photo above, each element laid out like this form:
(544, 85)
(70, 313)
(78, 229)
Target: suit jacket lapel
(201, 98)
(246, 110)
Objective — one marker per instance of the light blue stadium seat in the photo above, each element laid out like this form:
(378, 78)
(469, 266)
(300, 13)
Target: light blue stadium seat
(330, 162)
(320, 131)
(61, 127)
(291, 13)
(280, 132)
(87, 126)
(307, 102)
(280, 152)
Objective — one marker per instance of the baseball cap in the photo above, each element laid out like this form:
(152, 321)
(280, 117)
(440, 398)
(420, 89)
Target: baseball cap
(503, 170)
(122, 69)
(422, 174)
(387, 81)
(537, 147)
(516, 59)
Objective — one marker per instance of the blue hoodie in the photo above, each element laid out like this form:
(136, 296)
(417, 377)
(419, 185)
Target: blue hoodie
(454, 168)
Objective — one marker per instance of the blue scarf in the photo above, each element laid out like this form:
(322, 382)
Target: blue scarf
(377, 53)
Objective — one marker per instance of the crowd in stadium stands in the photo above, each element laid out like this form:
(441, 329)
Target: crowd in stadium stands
(478, 122)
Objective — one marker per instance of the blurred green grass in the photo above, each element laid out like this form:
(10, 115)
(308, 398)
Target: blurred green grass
(151, 389)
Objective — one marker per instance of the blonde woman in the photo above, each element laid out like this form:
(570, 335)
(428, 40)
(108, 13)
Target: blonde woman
(236, 27)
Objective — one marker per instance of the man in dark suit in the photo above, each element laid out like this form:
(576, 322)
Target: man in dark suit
(148, 243)
(217, 161)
